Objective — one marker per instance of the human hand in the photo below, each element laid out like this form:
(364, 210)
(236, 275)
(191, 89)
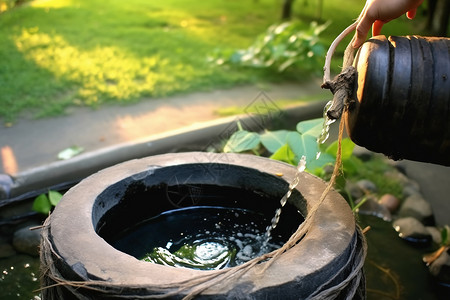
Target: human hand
(379, 12)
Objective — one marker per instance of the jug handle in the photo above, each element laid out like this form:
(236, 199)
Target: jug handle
(348, 51)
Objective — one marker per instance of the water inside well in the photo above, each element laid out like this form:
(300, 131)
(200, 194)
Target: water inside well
(202, 238)
(226, 227)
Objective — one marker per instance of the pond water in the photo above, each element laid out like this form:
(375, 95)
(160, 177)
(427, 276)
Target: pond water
(394, 269)
(19, 278)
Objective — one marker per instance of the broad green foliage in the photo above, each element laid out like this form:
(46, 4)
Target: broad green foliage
(289, 146)
(311, 127)
(303, 144)
(283, 46)
(54, 197)
(284, 153)
(274, 140)
(45, 202)
(242, 141)
(285, 145)
(42, 204)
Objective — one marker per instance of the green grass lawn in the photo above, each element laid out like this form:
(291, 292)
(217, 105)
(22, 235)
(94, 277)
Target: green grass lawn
(60, 53)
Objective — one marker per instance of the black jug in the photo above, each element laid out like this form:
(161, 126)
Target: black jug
(401, 102)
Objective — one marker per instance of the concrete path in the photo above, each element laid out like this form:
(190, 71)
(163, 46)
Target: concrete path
(35, 143)
(32, 143)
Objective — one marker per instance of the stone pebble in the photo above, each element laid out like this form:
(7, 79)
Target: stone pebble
(412, 218)
(417, 207)
(367, 186)
(26, 240)
(435, 234)
(372, 207)
(412, 231)
(389, 201)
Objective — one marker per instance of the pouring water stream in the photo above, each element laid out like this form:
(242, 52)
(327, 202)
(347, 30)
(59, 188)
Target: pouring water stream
(301, 166)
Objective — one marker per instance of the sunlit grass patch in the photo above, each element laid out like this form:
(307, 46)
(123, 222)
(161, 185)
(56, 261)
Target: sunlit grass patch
(101, 73)
(79, 52)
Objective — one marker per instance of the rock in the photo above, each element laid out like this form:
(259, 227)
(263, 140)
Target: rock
(435, 234)
(412, 231)
(27, 241)
(362, 153)
(415, 206)
(397, 164)
(6, 250)
(410, 190)
(390, 202)
(367, 185)
(354, 190)
(373, 208)
(409, 226)
(440, 268)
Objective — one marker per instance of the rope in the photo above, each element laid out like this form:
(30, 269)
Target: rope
(52, 279)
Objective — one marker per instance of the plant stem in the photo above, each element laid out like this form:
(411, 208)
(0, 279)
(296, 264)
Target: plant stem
(363, 200)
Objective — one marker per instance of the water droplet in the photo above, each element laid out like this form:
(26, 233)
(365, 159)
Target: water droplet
(288, 194)
(326, 124)
(318, 155)
(301, 165)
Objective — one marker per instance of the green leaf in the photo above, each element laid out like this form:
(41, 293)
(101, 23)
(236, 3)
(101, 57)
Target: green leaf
(303, 144)
(352, 165)
(42, 204)
(242, 140)
(324, 159)
(54, 197)
(284, 153)
(70, 152)
(311, 127)
(347, 147)
(274, 140)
